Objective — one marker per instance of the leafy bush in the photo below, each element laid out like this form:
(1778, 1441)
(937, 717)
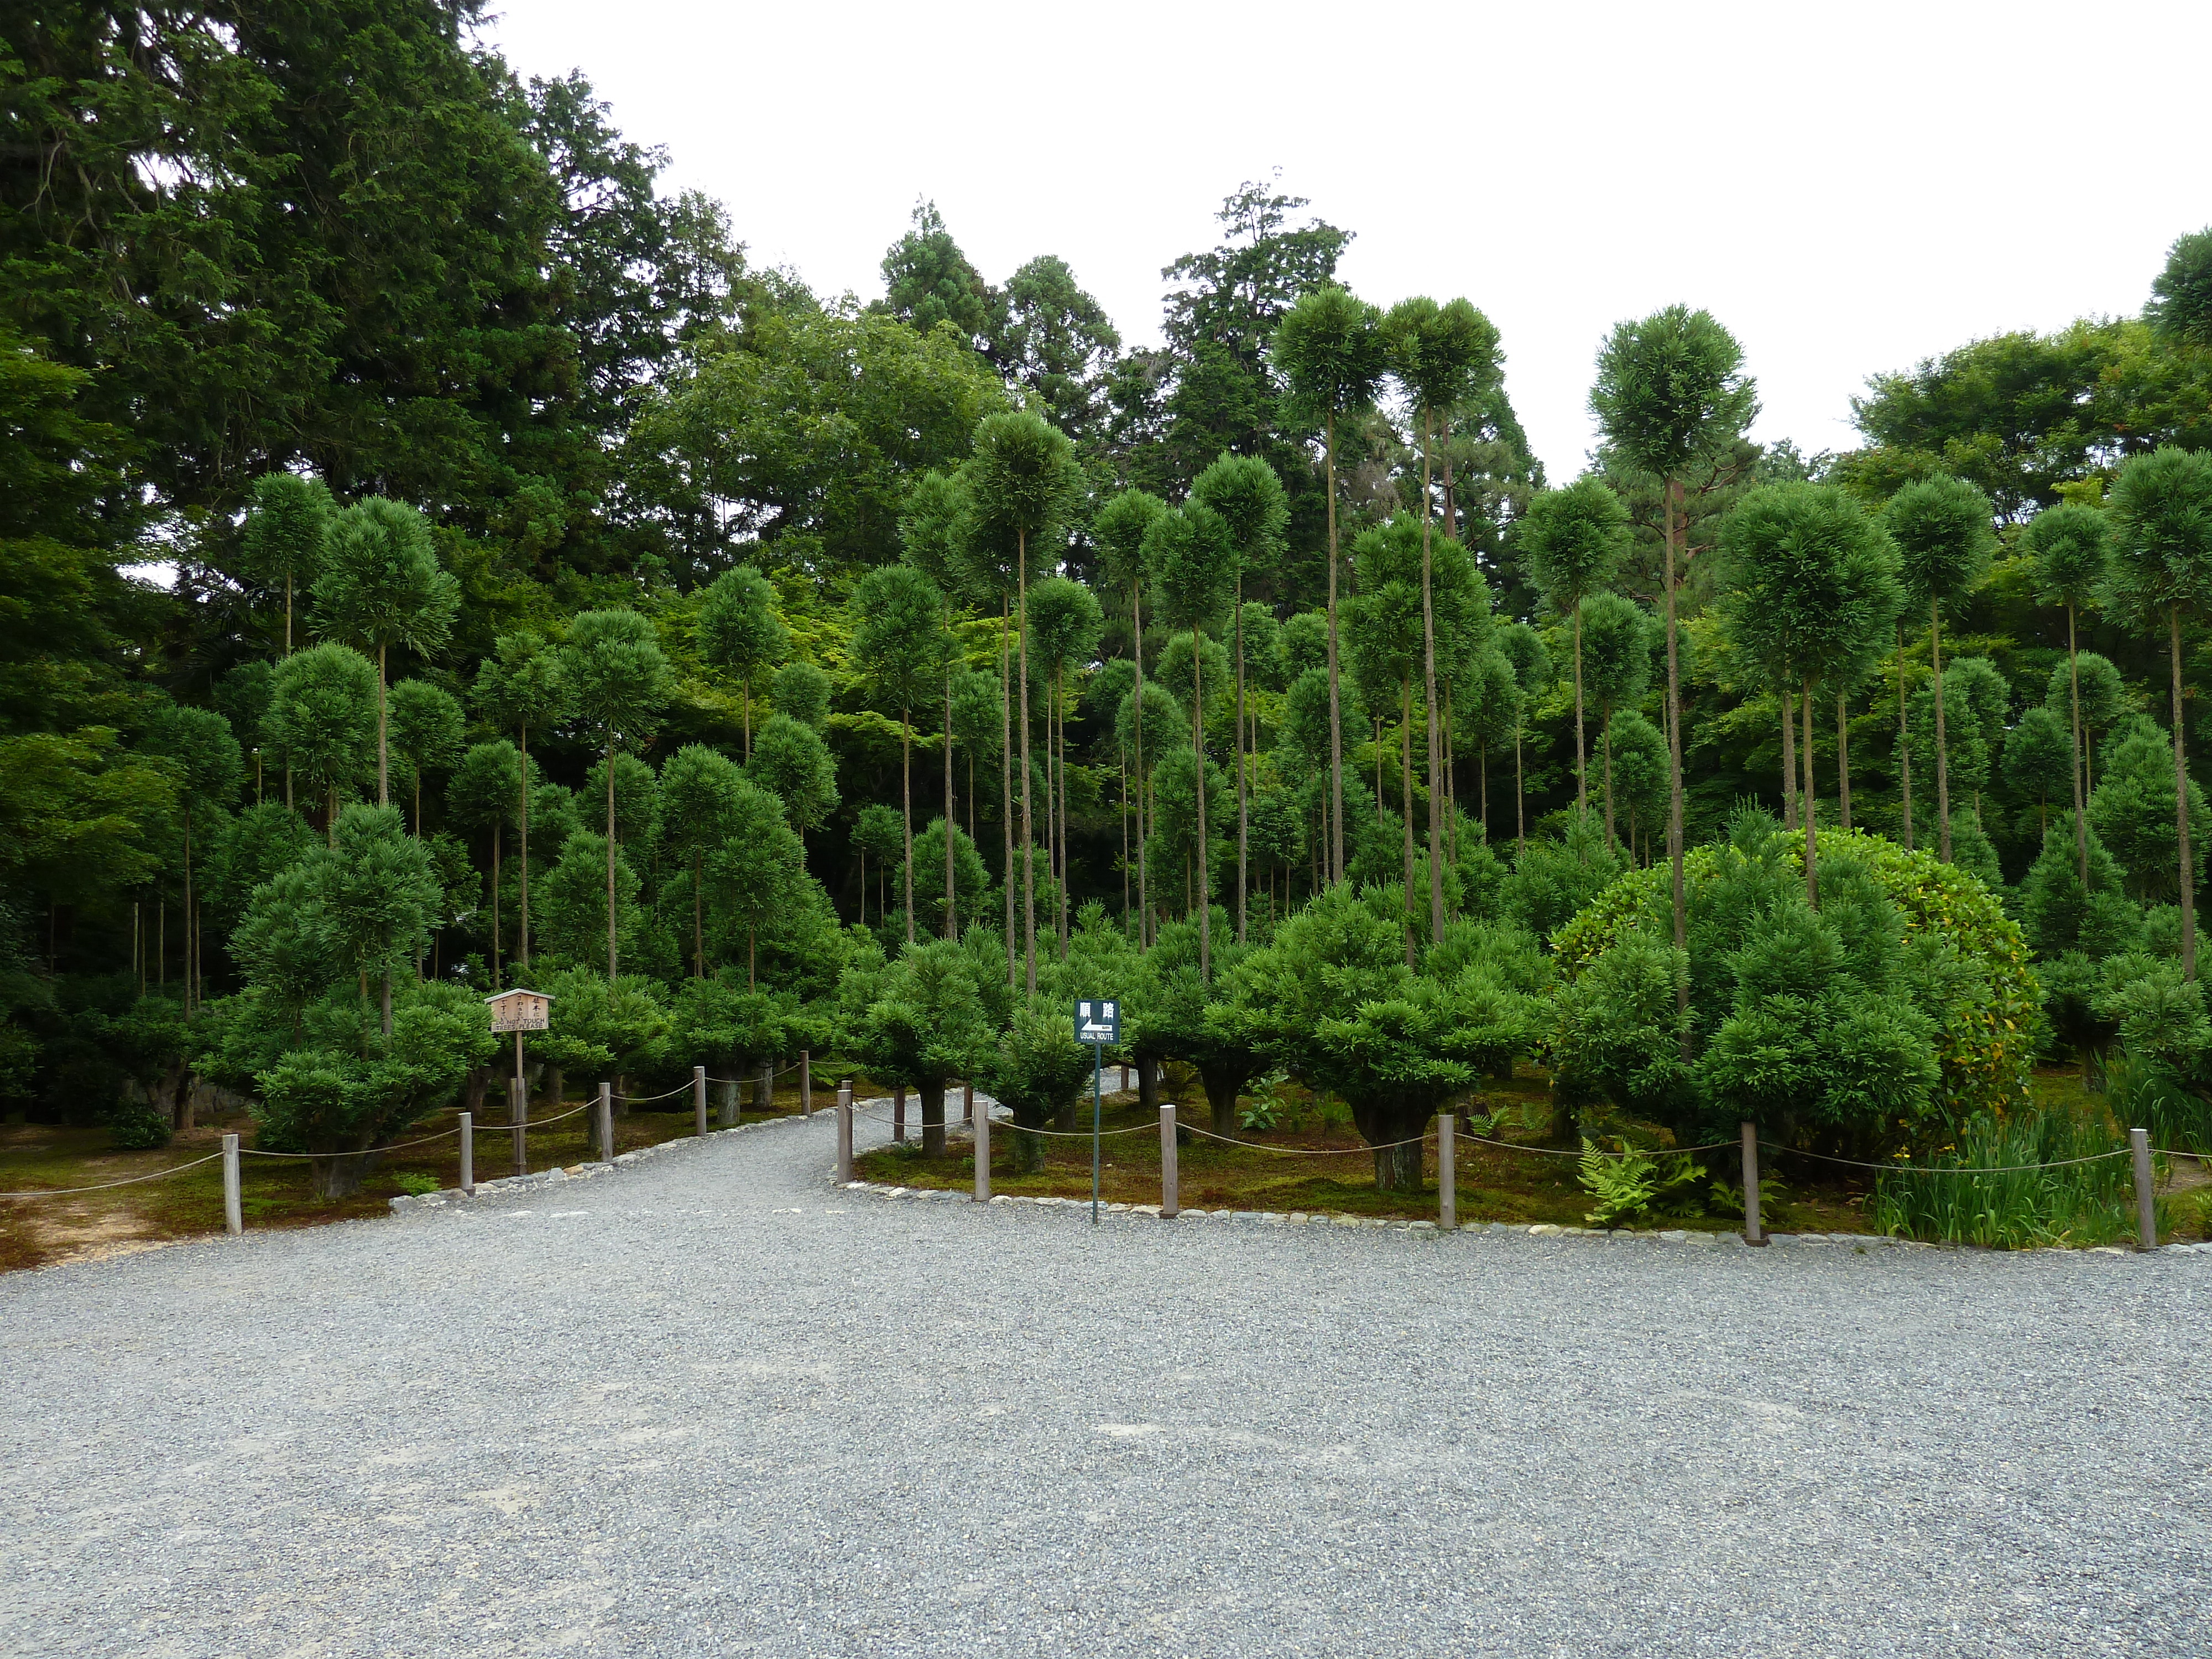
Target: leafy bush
(1036, 1069)
(1958, 959)
(138, 1128)
(414, 1183)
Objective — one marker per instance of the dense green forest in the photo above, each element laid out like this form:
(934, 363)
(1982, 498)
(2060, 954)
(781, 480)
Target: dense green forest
(560, 598)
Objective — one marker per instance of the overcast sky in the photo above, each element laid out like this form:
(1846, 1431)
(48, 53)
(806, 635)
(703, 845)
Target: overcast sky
(1850, 188)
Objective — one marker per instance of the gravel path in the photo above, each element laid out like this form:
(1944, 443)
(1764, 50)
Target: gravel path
(709, 1405)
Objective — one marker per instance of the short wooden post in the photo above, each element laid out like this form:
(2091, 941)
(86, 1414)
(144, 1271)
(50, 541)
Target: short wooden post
(967, 1102)
(234, 1220)
(844, 1131)
(518, 1114)
(1170, 1182)
(606, 1123)
(982, 1154)
(2146, 1203)
(806, 1083)
(898, 1116)
(730, 1111)
(1447, 1180)
(699, 1101)
(469, 1153)
(767, 1101)
(1753, 1233)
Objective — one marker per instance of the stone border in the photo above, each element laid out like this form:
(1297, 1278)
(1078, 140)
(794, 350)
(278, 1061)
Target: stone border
(1859, 1242)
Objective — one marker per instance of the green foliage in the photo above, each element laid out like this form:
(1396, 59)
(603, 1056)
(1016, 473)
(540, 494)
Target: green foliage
(524, 684)
(602, 1030)
(1941, 528)
(1627, 1184)
(2014, 1208)
(2132, 813)
(568, 905)
(791, 761)
(1243, 492)
(1442, 355)
(324, 717)
(617, 679)
(2058, 917)
(898, 636)
(802, 691)
(2070, 546)
(380, 588)
(720, 1022)
(138, 1129)
(971, 881)
(1571, 541)
(1671, 389)
(286, 520)
(2180, 306)
(1552, 881)
(740, 631)
(921, 1019)
(1330, 349)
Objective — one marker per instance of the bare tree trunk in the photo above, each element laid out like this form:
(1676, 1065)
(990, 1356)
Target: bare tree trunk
(1942, 764)
(1237, 629)
(2081, 811)
(1904, 744)
(1029, 828)
(1843, 759)
(497, 836)
(1604, 743)
(1582, 771)
(1006, 776)
(383, 769)
(1143, 886)
(1205, 851)
(906, 809)
(1335, 711)
(1788, 760)
(2180, 805)
(1429, 684)
(1674, 849)
(1811, 877)
(522, 871)
(610, 859)
(952, 923)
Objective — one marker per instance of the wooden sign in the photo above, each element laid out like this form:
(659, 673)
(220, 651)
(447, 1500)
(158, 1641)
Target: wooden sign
(520, 1011)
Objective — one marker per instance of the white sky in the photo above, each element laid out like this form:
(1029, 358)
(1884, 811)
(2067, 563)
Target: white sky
(1850, 188)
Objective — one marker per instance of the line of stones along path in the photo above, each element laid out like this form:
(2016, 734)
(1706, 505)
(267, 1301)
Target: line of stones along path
(709, 1405)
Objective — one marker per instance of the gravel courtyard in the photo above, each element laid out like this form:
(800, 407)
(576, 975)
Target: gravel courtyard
(710, 1405)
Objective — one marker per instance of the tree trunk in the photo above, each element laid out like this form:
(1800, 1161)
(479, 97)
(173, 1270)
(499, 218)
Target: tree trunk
(1143, 886)
(1942, 765)
(1028, 1149)
(1029, 821)
(1904, 744)
(933, 1118)
(747, 684)
(1406, 800)
(1520, 800)
(1582, 773)
(1205, 851)
(522, 871)
(1384, 1122)
(1605, 743)
(1236, 627)
(698, 916)
(906, 810)
(1429, 680)
(338, 1174)
(2180, 806)
(1007, 775)
(1811, 877)
(1843, 759)
(951, 892)
(191, 985)
(1674, 849)
(383, 769)
(2081, 812)
(1121, 754)
(1148, 1083)
(1789, 761)
(1335, 711)
(611, 858)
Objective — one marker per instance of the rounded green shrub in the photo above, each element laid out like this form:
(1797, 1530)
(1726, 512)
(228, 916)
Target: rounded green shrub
(1989, 1002)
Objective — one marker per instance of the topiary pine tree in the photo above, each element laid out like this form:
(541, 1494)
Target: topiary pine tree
(381, 586)
(1191, 564)
(2069, 546)
(1572, 542)
(1943, 529)
(1330, 351)
(324, 713)
(523, 683)
(899, 644)
(1023, 484)
(2161, 560)
(741, 633)
(1118, 530)
(1616, 648)
(1244, 493)
(1441, 355)
(1065, 624)
(427, 730)
(1811, 583)
(620, 681)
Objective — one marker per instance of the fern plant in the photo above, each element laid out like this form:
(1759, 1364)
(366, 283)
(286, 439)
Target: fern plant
(1626, 1184)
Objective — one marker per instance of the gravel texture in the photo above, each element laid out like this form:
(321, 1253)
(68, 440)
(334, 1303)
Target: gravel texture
(710, 1403)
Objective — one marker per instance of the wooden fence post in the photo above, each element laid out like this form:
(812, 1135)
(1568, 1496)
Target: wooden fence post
(233, 1221)
(806, 1083)
(1447, 1178)
(2146, 1202)
(1170, 1181)
(768, 1087)
(699, 1101)
(898, 1116)
(469, 1153)
(844, 1131)
(1754, 1232)
(518, 1114)
(982, 1152)
(606, 1123)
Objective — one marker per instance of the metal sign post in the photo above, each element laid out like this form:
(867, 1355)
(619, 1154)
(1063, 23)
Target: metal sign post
(1097, 1023)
